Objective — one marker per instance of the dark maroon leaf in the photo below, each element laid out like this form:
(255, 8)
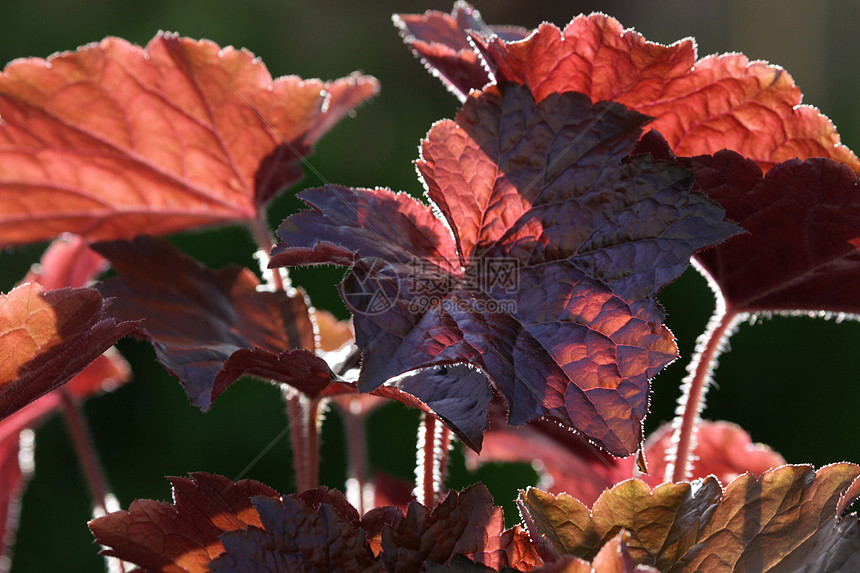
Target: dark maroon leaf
(377, 519)
(114, 140)
(786, 520)
(183, 537)
(48, 337)
(560, 242)
(441, 41)
(211, 327)
(297, 536)
(464, 523)
(458, 395)
(801, 251)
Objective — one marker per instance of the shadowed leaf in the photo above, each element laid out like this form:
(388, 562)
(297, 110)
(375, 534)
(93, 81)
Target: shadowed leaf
(186, 536)
(464, 523)
(187, 134)
(298, 534)
(211, 327)
(560, 242)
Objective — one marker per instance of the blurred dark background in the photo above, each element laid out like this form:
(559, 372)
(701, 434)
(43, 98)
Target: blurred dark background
(791, 382)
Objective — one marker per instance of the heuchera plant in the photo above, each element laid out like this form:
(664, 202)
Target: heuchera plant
(514, 305)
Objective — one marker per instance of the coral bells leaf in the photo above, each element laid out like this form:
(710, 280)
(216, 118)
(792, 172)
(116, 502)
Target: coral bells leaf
(785, 520)
(47, 337)
(186, 536)
(559, 243)
(802, 248)
(699, 105)
(464, 523)
(210, 327)
(441, 41)
(187, 134)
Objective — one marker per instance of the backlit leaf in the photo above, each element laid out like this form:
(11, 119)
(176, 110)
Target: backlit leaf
(723, 450)
(441, 42)
(68, 262)
(786, 520)
(559, 243)
(48, 337)
(185, 536)
(699, 105)
(186, 134)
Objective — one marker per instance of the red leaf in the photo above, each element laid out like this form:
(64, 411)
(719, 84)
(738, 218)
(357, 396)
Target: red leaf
(183, 537)
(570, 464)
(441, 41)
(802, 249)
(544, 206)
(48, 337)
(68, 262)
(700, 106)
(723, 450)
(567, 462)
(187, 134)
(211, 327)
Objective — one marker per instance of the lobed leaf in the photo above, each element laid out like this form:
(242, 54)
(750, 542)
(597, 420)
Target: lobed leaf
(186, 536)
(699, 105)
(211, 327)
(785, 520)
(13, 479)
(544, 206)
(188, 134)
(46, 338)
(801, 251)
(441, 41)
(464, 523)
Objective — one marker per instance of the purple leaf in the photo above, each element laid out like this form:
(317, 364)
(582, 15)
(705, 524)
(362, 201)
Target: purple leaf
(559, 243)
(211, 327)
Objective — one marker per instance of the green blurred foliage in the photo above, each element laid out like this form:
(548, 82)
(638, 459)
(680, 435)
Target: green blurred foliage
(789, 381)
